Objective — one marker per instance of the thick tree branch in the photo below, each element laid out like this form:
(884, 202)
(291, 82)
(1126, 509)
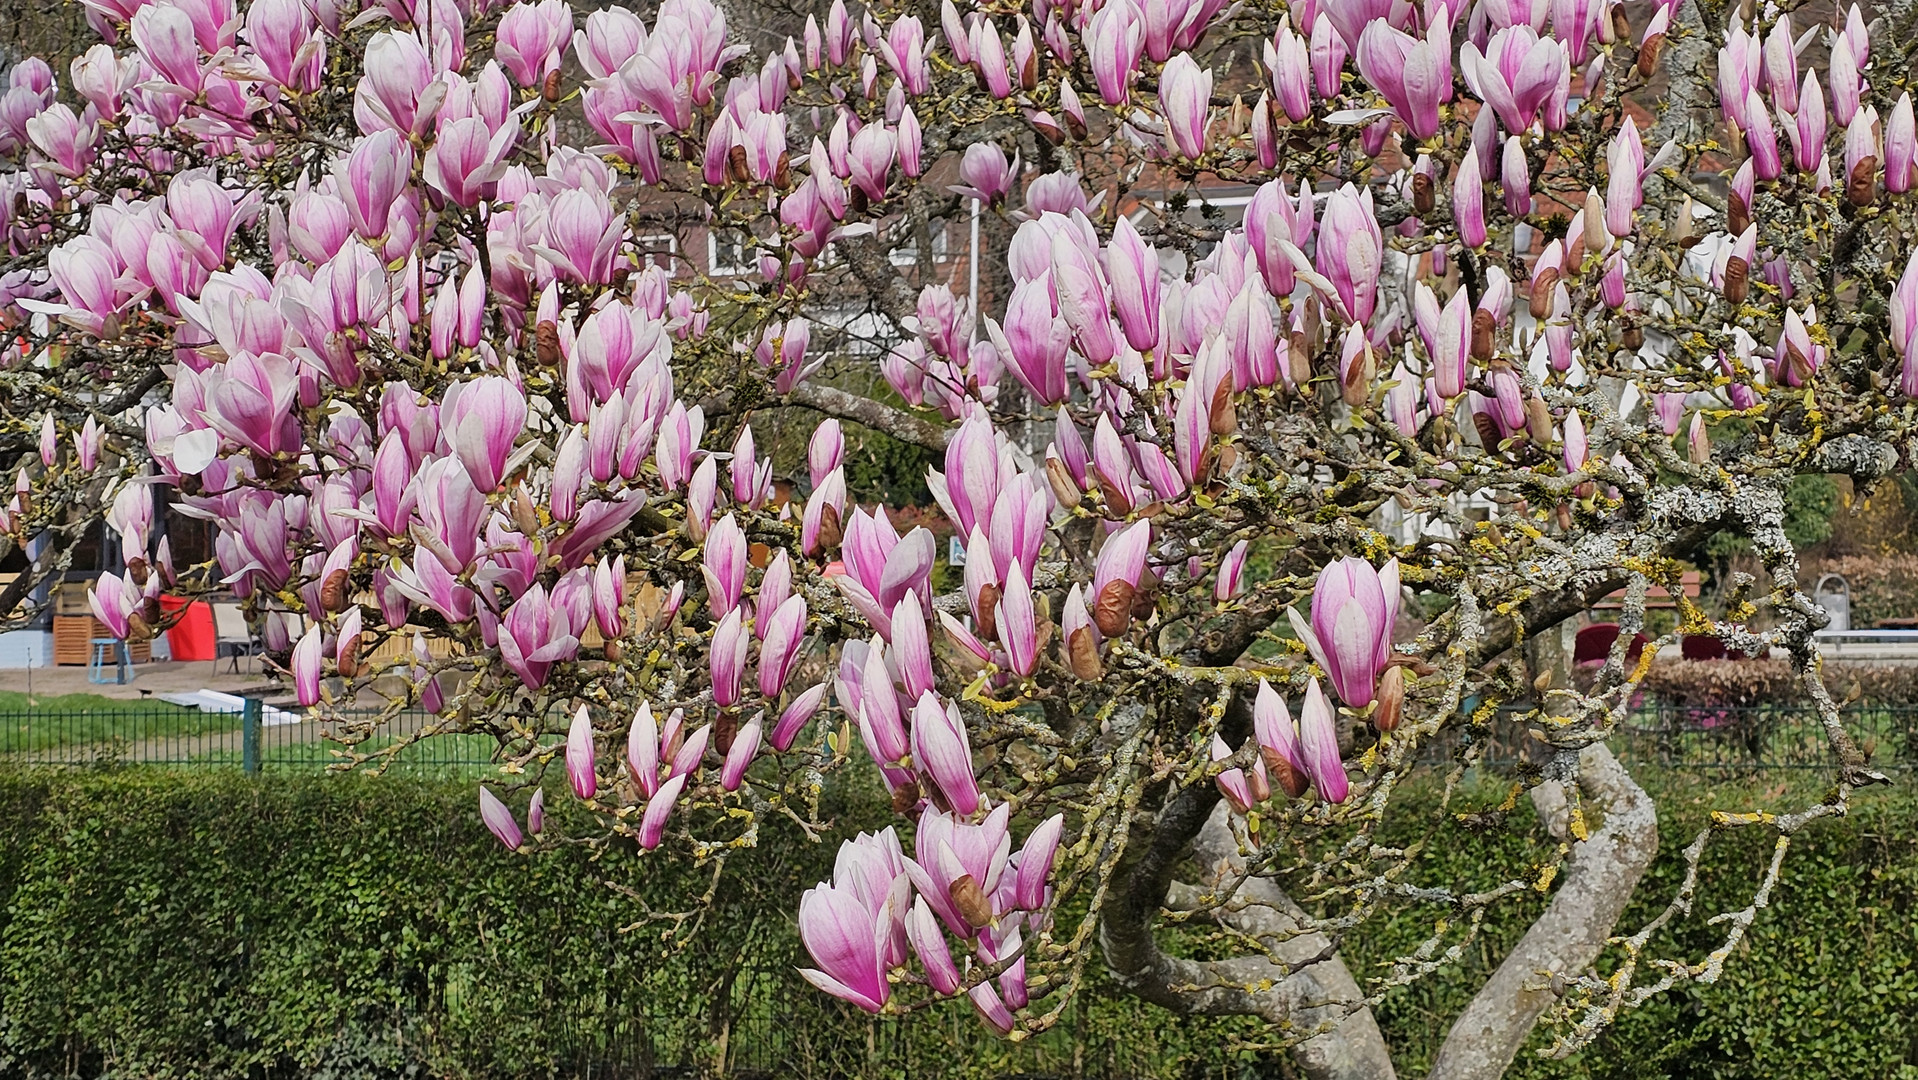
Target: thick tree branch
(871, 263)
(1310, 980)
(1599, 880)
(844, 405)
(1318, 992)
(877, 415)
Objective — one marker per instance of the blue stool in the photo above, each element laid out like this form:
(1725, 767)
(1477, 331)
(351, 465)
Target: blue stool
(104, 647)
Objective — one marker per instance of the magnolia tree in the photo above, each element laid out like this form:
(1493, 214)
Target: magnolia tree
(365, 289)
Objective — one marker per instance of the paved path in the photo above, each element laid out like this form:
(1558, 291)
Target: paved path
(157, 677)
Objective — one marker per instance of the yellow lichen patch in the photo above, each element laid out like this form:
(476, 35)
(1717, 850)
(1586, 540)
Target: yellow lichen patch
(1722, 819)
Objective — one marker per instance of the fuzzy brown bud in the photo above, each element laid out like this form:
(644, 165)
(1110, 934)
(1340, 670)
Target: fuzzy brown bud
(989, 612)
(1538, 421)
(1483, 325)
(1082, 656)
(333, 592)
(1862, 189)
(1291, 781)
(1487, 429)
(1224, 414)
(829, 530)
(1423, 197)
(1648, 55)
(1112, 608)
(546, 343)
(1355, 385)
(1737, 279)
(1063, 489)
(1738, 216)
(905, 797)
(1542, 284)
(971, 901)
(1391, 699)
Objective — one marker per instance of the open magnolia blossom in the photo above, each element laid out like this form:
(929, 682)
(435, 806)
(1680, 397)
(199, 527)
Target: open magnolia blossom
(1513, 320)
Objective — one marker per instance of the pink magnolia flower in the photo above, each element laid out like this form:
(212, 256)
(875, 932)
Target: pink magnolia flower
(848, 932)
(1278, 739)
(1414, 74)
(784, 628)
(1354, 608)
(306, 665)
(1185, 98)
(1231, 570)
(659, 808)
(481, 420)
(929, 944)
(1288, 58)
(1319, 745)
(371, 178)
(943, 753)
(499, 820)
(582, 235)
(535, 634)
(1114, 40)
(795, 716)
(957, 867)
(1351, 250)
(532, 39)
(1132, 268)
(985, 174)
(579, 755)
(740, 756)
(724, 566)
(468, 159)
(1521, 75)
(1036, 338)
(164, 35)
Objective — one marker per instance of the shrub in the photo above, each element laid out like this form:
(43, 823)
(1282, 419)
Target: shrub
(173, 925)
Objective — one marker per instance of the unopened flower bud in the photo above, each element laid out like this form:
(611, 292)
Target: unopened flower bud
(971, 901)
(1391, 699)
(1060, 480)
(1698, 444)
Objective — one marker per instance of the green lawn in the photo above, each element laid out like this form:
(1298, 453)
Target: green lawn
(44, 721)
(12, 701)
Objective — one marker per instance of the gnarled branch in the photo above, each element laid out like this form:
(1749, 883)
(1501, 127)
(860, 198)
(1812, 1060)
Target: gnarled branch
(1599, 880)
(1319, 991)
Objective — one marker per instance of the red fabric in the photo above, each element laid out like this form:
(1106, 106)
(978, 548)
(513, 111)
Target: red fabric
(191, 638)
(1700, 647)
(1594, 644)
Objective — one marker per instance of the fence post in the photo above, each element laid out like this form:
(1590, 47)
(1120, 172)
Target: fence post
(250, 736)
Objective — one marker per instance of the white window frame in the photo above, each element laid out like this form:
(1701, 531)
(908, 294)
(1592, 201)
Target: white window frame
(907, 252)
(650, 243)
(748, 245)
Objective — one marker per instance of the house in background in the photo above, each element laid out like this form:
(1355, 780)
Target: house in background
(63, 629)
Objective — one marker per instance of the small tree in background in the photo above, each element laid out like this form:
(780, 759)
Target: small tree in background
(367, 289)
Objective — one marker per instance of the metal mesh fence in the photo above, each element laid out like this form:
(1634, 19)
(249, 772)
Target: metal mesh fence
(1710, 738)
(254, 738)
(263, 738)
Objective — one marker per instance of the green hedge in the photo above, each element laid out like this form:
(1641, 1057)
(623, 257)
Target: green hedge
(1826, 984)
(159, 924)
